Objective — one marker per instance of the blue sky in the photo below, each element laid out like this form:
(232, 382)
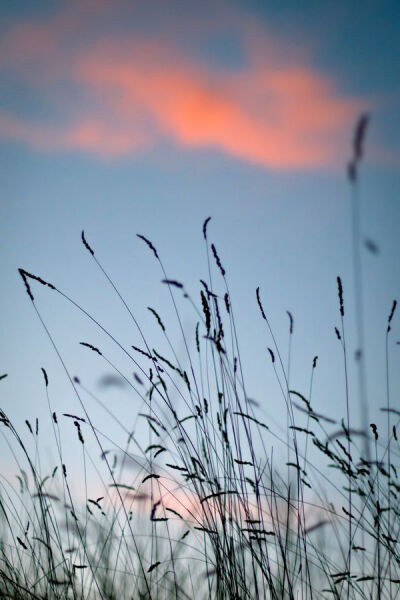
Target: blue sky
(125, 118)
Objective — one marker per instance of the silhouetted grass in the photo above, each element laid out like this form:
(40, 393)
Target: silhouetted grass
(204, 512)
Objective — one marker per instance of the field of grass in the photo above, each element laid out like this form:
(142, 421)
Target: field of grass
(202, 510)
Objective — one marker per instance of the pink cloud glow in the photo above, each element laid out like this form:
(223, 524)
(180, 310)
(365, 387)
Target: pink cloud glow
(89, 135)
(134, 93)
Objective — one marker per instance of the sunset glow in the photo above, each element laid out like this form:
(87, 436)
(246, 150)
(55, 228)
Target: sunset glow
(115, 95)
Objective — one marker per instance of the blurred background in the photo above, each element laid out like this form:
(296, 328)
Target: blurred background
(130, 117)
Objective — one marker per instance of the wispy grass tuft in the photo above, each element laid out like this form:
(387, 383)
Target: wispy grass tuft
(194, 503)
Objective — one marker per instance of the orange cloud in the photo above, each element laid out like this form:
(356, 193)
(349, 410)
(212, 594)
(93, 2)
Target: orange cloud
(283, 119)
(130, 93)
(88, 135)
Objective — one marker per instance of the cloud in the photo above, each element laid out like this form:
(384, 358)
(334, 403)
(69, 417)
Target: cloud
(89, 135)
(115, 94)
(280, 119)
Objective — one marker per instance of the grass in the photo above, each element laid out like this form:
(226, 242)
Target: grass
(196, 507)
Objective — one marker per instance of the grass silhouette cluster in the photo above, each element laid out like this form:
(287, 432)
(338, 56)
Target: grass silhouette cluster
(207, 513)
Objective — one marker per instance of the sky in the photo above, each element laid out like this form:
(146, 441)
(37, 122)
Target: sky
(130, 117)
